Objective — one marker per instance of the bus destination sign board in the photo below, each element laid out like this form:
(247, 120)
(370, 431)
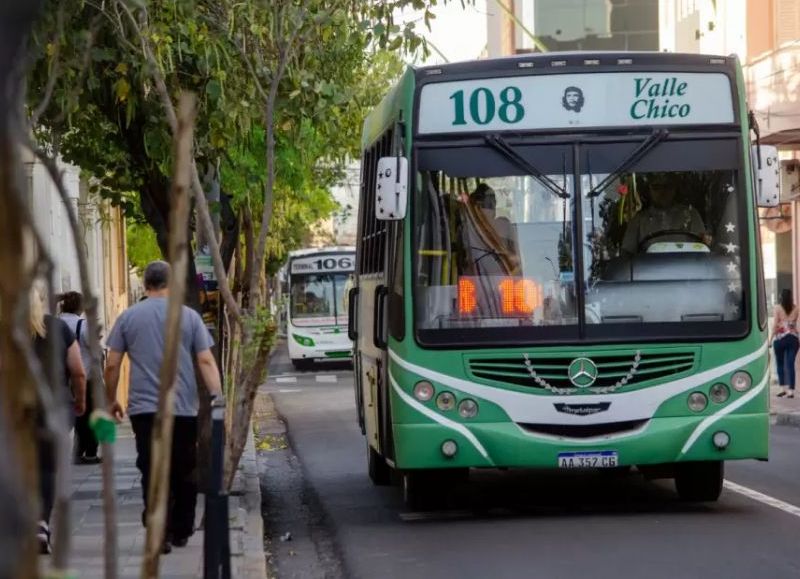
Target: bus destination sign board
(569, 101)
(324, 263)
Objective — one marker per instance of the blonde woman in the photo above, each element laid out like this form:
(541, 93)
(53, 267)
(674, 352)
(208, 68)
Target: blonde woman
(50, 334)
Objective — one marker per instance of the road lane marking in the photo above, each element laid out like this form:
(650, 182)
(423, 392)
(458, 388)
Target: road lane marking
(330, 378)
(289, 390)
(762, 498)
(286, 380)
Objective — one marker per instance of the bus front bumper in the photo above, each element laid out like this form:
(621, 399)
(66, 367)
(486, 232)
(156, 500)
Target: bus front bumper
(506, 444)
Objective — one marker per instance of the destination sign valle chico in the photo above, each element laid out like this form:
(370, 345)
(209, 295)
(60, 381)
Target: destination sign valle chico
(586, 100)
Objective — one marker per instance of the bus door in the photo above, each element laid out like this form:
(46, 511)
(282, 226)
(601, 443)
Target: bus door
(370, 300)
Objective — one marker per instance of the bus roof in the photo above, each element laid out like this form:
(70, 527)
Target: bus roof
(321, 250)
(385, 112)
(583, 60)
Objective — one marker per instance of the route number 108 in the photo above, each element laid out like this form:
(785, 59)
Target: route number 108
(483, 106)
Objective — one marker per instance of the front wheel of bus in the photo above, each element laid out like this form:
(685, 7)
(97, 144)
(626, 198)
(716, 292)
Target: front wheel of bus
(419, 490)
(302, 364)
(699, 481)
(380, 473)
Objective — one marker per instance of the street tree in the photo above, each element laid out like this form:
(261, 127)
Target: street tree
(283, 86)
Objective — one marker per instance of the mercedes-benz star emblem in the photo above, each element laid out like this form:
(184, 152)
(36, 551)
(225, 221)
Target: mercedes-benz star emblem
(582, 372)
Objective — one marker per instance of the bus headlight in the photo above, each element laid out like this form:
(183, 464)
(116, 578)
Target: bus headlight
(741, 381)
(303, 341)
(719, 393)
(445, 401)
(697, 402)
(468, 408)
(423, 391)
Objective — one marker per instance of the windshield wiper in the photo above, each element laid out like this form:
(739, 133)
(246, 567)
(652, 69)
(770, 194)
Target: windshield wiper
(499, 144)
(647, 145)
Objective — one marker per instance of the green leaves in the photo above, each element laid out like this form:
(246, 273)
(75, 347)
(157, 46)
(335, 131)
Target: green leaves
(107, 118)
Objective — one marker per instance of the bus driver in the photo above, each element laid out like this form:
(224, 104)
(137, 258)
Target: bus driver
(663, 215)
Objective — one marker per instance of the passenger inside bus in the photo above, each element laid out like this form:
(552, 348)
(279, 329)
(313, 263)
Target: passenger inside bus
(664, 219)
(485, 199)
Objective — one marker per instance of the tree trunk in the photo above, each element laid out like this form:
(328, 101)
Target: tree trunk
(17, 395)
(161, 453)
(155, 206)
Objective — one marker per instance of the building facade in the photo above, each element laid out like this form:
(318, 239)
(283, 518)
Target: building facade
(520, 26)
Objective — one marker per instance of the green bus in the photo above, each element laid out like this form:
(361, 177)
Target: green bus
(558, 266)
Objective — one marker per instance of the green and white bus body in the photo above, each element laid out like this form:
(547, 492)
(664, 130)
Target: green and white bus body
(487, 335)
(318, 282)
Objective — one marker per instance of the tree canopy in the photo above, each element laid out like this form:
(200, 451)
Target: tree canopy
(104, 114)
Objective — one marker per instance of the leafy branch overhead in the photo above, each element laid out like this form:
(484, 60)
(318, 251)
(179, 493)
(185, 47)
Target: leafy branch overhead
(106, 117)
(282, 86)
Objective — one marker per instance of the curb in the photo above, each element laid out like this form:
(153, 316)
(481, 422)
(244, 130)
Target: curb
(248, 559)
(255, 560)
(785, 419)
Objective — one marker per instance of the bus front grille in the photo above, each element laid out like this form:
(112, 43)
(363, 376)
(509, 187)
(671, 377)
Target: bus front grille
(618, 370)
(583, 430)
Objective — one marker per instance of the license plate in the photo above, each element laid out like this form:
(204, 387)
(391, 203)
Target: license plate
(602, 459)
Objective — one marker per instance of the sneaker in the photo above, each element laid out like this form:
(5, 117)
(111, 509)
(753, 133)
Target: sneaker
(180, 541)
(43, 536)
(779, 394)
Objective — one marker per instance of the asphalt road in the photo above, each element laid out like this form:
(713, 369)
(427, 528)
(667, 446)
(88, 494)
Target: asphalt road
(514, 524)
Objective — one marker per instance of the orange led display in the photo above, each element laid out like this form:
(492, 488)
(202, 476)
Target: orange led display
(467, 296)
(508, 296)
(516, 296)
(527, 296)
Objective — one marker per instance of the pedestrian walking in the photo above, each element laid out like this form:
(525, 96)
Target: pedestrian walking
(140, 333)
(50, 334)
(785, 342)
(86, 445)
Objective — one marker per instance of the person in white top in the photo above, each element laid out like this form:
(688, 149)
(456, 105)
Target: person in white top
(86, 446)
(785, 342)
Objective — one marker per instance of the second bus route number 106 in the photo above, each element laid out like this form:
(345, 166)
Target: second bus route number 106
(483, 106)
(331, 263)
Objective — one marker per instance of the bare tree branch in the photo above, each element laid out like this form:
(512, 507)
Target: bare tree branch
(161, 452)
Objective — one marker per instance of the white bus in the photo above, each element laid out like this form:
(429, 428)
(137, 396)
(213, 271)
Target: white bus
(319, 281)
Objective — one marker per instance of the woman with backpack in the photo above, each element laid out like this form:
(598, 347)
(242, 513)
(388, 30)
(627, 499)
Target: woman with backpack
(86, 445)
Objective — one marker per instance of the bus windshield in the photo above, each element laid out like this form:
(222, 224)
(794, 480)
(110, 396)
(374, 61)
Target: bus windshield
(319, 299)
(656, 251)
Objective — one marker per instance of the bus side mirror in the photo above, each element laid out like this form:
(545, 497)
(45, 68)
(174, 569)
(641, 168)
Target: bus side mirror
(767, 169)
(391, 189)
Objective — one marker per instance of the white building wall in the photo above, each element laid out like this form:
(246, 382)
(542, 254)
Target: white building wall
(703, 26)
(52, 222)
(495, 21)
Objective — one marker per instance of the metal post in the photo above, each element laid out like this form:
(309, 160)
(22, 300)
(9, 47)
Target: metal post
(216, 542)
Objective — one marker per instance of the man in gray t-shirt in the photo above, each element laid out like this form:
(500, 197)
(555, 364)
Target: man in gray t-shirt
(140, 333)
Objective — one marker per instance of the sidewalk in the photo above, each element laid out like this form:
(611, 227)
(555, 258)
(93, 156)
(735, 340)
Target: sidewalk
(247, 561)
(784, 411)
